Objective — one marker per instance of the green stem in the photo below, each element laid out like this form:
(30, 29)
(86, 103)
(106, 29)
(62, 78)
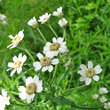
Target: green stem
(53, 30)
(54, 74)
(64, 33)
(41, 34)
(28, 53)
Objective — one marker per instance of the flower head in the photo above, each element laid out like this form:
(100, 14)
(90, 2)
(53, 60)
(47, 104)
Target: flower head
(107, 105)
(32, 22)
(103, 99)
(3, 19)
(4, 100)
(58, 12)
(17, 64)
(103, 90)
(89, 73)
(69, 63)
(33, 85)
(44, 18)
(45, 63)
(62, 22)
(58, 46)
(15, 40)
(95, 96)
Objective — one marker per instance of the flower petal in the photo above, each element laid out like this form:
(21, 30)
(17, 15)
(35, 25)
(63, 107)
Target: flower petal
(10, 64)
(90, 64)
(37, 66)
(19, 70)
(39, 55)
(50, 68)
(55, 61)
(96, 78)
(83, 67)
(44, 69)
(88, 81)
(13, 72)
(83, 78)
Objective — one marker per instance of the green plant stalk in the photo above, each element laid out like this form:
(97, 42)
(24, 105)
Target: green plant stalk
(64, 33)
(53, 30)
(41, 34)
(28, 53)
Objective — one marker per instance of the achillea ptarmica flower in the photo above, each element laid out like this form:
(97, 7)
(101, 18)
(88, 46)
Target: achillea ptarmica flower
(95, 96)
(45, 63)
(33, 85)
(103, 90)
(44, 18)
(62, 22)
(58, 46)
(103, 99)
(3, 19)
(15, 40)
(33, 22)
(107, 105)
(89, 73)
(58, 12)
(17, 64)
(4, 100)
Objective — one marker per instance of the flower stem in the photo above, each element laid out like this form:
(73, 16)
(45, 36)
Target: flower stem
(41, 34)
(64, 33)
(53, 30)
(28, 53)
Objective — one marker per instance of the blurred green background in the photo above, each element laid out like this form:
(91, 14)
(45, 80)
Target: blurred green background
(88, 36)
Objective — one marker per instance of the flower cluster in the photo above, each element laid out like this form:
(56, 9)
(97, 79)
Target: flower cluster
(102, 98)
(3, 19)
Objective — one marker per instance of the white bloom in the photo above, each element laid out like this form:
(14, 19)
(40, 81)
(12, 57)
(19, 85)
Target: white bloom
(45, 63)
(62, 22)
(44, 18)
(103, 99)
(95, 96)
(15, 40)
(32, 22)
(107, 105)
(58, 46)
(103, 90)
(3, 19)
(58, 12)
(17, 64)
(89, 73)
(4, 100)
(68, 64)
(33, 85)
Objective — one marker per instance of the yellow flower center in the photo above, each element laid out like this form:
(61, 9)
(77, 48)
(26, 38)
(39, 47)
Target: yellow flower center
(54, 46)
(16, 39)
(17, 64)
(45, 61)
(90, 72)
(31, 88)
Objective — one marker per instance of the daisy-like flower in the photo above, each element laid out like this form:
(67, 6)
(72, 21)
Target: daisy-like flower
(95, 96)
(33, 22)
(3, 19)
(89, 73)
(4, 100)
(44, 18)
(45, 63)
(103, 99)
(15, 40)
(33, 85)
(58, 12)
(62, 22)
(17, 64)
(107, 105)
(103, 90)
(58, 46)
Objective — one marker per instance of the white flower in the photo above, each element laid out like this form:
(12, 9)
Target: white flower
(58, 12)
(58, 46)
(62, 22)
(89, 73)
(44, 18)
(69, 63)
(15, 40)
(45, 63)
(107, 105)
(103, 90)
(33, 85)
(32, 22)
(17, 64)
(95, 96)
(103, 99)
(4, 100)
(2, 17)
